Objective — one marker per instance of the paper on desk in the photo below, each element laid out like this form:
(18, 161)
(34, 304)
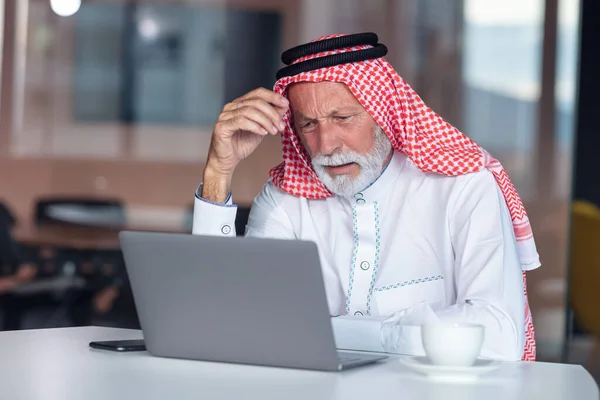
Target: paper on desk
(358, 333)
(398, 333)
(401, 332)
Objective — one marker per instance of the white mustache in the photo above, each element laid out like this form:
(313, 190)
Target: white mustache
(337, 159)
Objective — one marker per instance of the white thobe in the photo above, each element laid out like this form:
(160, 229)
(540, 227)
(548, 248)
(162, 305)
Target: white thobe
(421, 246)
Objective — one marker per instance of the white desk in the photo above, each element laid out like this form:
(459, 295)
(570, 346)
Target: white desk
(57, 364)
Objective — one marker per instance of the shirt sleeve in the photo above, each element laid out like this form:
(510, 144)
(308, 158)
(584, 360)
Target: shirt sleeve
(213, 219)
(268, 217)
(488, 280)
(488, 273)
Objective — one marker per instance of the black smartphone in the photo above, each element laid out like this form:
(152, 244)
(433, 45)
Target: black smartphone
(120, 345)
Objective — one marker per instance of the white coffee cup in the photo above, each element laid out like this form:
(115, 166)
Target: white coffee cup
(451, 344)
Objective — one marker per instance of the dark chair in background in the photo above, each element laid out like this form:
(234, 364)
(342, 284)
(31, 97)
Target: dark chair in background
(9, 251)
(12, 253)
(6, 214)
(15, 268)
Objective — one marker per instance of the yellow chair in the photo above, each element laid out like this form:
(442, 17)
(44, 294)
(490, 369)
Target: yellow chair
(584, 293)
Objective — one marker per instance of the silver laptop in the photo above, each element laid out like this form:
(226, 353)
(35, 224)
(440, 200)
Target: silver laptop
(234, 299)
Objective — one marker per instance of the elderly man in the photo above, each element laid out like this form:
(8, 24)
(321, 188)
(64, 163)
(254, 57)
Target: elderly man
(414, 222)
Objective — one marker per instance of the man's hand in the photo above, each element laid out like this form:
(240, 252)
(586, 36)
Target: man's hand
(241, 127)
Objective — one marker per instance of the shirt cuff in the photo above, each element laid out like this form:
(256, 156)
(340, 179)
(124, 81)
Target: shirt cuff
(213, 219)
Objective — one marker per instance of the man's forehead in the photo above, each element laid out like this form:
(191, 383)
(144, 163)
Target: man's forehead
(319, 86)
(312, 94)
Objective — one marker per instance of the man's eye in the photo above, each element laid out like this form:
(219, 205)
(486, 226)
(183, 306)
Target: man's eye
(307, 125)
(343, 117)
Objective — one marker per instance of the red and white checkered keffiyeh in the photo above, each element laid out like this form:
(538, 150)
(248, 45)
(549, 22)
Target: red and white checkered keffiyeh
(431, 143)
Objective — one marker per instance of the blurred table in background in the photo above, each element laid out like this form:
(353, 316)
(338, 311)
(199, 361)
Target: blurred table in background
(67, 236)
(131, 217)
(80, 236)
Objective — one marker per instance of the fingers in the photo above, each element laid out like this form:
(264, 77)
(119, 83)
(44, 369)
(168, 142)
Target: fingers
(269, 96)
(253, 115)
(278, 102)
(238, 123)
(259, 111)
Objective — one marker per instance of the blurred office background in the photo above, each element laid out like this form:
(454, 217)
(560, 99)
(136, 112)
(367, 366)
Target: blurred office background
(106, 112)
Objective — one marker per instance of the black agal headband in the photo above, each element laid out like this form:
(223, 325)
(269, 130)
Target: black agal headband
(359, 39)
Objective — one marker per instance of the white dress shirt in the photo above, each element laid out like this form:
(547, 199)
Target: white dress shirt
(413, 247)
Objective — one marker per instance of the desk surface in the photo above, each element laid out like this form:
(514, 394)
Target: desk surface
(58, 364)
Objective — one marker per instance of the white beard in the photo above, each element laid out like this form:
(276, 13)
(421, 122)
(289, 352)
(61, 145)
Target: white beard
(371, 166)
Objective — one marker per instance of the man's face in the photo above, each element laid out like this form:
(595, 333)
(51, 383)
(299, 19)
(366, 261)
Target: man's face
(348, 149)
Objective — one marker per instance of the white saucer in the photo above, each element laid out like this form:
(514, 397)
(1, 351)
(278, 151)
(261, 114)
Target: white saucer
(449, 373)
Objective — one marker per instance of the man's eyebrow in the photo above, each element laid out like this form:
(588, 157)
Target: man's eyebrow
(345, 110)
(304, 117)
(335, 111)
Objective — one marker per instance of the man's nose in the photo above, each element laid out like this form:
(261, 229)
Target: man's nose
(329, 139)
